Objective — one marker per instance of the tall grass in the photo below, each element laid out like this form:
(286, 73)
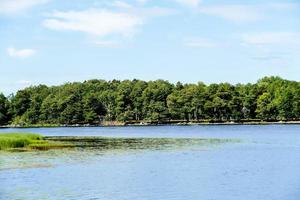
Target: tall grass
(18, 140)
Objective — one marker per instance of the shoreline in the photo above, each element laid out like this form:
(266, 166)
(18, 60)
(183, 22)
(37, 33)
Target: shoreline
(168, 123)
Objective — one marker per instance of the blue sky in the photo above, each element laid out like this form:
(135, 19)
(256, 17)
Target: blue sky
(54, 41)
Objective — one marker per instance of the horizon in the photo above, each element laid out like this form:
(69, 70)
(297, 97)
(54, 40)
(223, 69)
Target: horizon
(52, 42)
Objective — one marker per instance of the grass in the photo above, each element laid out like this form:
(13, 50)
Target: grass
(27, 141)
(18, 140)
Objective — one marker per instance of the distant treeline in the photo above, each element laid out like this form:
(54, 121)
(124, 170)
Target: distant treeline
(95, 101)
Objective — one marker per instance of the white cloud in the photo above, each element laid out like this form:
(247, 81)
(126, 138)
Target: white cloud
(8, 7)
(21, 53)
(199, 42)
(272, 45)
(121, 4)
(141, 1)
(191, 3)
(234, 13)
(107, 43)
(147, 13)
(271, 38)
(96, 22)
(285, 5)
(24, 82)
(103, 22)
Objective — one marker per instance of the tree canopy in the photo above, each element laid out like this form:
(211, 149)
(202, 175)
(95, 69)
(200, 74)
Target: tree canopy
(94, 101)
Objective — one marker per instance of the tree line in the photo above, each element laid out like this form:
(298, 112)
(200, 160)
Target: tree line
(95, 101)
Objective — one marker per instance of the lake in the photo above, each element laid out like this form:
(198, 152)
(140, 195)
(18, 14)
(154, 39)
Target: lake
(255, 162)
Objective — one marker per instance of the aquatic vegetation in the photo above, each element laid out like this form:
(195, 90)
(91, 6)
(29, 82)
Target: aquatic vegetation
(18, 140)
(110, 143)
(51, 150)
(27, 141)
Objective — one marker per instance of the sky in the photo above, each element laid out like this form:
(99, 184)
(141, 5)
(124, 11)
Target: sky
(237, 41)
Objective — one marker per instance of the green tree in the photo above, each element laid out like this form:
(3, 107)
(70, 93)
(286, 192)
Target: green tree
(50, 111)
(271, 98)
(4, 110)
(93, 109)
(265, 107)
(155, 100)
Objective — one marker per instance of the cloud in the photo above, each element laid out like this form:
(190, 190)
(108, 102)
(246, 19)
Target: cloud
(286, 5)
(121, 4)
(190, 3)
(96, 22)
(21, 53)
(8, 7)
(147, 13)
(24, 82)
(267, 57)
(234, 13)
(272, 45)
(103, 22)
(271, 38)
(199, 43)
(239, 13)
(107, 43)
(141, 1)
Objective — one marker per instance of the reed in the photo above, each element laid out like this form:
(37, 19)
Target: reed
(18, 140)
(28, 141)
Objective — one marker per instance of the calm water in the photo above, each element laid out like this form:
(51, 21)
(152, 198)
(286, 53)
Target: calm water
(263, 165)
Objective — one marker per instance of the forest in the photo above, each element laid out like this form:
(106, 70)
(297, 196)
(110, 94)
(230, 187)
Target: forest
(96, 101)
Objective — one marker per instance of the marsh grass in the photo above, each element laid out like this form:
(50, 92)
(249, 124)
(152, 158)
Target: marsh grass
(18, 140)
(27, 141)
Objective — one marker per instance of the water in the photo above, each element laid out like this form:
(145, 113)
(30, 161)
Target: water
(263, 165)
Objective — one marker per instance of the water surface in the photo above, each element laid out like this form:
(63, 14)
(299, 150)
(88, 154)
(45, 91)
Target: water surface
(263, 165)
